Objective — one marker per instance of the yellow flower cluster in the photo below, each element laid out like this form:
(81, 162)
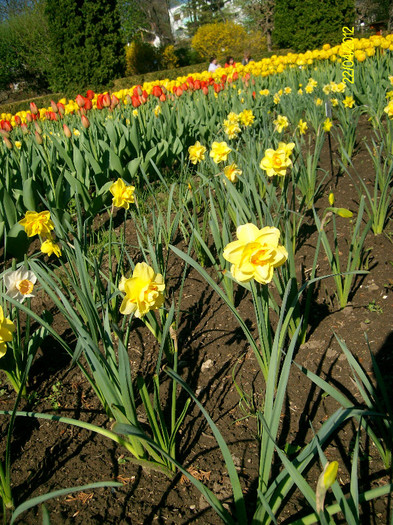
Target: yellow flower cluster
(363, 48)
(41, 224)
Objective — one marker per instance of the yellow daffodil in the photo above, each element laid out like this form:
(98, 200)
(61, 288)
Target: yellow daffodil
(309, 89)
(144, 291)
(123, 195)
(246, 117)
(302, 127)
(276, 162)
(334, 102)
(37, 223)
(49, 247)
(231, 129)
(157, 110)
(327, 125)
(232, 172)
(280, 123)
(318, 102)
(20, 284)
(196, 152)
(255, 254)
(7, 328)
(219, 152)
(389, 109)
(287, 90)
(264, 92)
(276, 98)
(348, 102)
(233, 118)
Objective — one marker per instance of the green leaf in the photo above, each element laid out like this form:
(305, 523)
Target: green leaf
(29, 194)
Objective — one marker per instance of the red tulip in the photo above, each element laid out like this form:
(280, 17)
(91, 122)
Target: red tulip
(197, 84)
(6, 125)
(135, 101)
(80, 101)
(205, 90)
(163, 97)
(88, 104)
(18, 120)
(106, 100)
(7, 142)
(90, 94)
(178, 91)
(114, 101)
(53, 115)
(235, 75)
(29, 117)
(157, 91)
(100, 104)
(67, 131)
(137, 91)
(33, 108)
(217, 87)
(53, 104)
(38, 138)
(85, 121)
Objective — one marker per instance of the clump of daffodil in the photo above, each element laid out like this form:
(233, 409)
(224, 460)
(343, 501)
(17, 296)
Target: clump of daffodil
(280, 123)
(123, 195)
(232, 172)
(144, 291)
(302, 127)
(196, 152)
(219, 152)
(36, 223)
(349, 102)
(232, 129)
(246, 117)
(276, 162)
(7, 328)
(157, 110)
(20, 284)
(255, 254)
(327, 125)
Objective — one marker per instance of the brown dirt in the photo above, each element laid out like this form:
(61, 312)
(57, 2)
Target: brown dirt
(49, 456)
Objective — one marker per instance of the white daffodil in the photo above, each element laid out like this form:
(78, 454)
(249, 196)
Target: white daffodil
(20, 284)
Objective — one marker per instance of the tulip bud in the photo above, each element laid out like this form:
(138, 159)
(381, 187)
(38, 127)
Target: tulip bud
(114, 101)
(331, 199)
(4, 133)
(106, 100)
(38, 138)
(7, 142)
(33, 108)
(18, 120)
(29, 118)
(24, 128)
(61, 108)
(163, 97)
(85, 122)
(55, 109)
(205, 90)
(37, 127)
(67, 131)
(80, 101)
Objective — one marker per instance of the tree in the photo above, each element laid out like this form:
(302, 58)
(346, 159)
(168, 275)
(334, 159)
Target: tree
(202, 12)
(85, 41)
(219, 39)
(260, 16)
(145, 20)
(24, 47)
(307, 24)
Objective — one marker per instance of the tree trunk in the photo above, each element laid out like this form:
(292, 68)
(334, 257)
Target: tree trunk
(269, 40)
